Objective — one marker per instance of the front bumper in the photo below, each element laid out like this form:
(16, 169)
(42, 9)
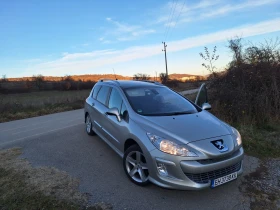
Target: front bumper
(192, 174)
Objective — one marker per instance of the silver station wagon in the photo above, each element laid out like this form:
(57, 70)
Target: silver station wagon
(163, 137)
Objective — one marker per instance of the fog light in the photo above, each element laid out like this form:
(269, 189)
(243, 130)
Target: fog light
(162, 169)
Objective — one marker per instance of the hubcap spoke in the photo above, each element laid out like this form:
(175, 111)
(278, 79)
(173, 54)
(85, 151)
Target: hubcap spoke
(133, 171)
(141, 174)
(131, 161)
(143, 166)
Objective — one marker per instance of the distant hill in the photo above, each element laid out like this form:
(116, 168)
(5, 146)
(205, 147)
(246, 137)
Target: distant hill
(96, 77)
(86, 77)
(184, 77)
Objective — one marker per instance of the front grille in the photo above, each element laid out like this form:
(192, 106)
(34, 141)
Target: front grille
(204, 178)
(210, 161)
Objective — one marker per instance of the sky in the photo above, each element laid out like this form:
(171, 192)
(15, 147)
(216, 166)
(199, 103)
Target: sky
(74, 37)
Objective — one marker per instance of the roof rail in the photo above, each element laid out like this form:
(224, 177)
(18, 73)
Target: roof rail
(150, 81)
(104, 79)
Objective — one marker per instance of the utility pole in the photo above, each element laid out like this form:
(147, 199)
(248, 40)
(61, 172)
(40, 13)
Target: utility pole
(156, 77)
(164, 46)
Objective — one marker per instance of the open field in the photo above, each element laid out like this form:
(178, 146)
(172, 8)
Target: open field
(25, 105)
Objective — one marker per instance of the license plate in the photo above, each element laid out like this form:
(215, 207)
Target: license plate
(223, 180)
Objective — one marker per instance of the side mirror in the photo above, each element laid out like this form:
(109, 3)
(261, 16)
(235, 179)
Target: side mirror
(206, 106)
(114, 111)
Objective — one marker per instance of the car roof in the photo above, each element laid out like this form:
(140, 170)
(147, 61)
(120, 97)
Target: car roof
(131, 83)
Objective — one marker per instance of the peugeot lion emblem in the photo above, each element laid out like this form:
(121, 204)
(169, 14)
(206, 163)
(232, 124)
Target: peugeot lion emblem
(219, 144)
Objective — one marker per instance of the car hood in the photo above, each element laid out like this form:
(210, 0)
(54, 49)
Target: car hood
(184, 128)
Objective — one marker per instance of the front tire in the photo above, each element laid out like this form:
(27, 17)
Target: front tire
(135, 165)
(89, 126)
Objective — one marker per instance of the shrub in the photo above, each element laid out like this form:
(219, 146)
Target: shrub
(174, 83)
(163, 77)
(249, 90)
(39, 80)
(140, 76)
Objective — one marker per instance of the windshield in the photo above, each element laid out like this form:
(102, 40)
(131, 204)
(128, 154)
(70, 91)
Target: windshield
(158, 101)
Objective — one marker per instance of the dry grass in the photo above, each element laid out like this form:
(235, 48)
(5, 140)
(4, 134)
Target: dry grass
(262, 142)
(43, 97)
(25, 105)
(25, 187)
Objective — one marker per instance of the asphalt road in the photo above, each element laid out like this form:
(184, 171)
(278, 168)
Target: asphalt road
(60, 141)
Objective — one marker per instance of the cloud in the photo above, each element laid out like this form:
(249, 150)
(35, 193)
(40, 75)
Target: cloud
(172, 10)
(82, 62)
(126, 32)
(175, 13)
(104, 41)
(33, 60)
(222, 10)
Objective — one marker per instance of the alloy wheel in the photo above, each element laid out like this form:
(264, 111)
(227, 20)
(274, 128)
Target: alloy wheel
(88, 124)
(136, 166)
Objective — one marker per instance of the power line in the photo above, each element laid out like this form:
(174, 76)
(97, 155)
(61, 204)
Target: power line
(178, 17)
(174, 5)
(171, 19)
(168, 19)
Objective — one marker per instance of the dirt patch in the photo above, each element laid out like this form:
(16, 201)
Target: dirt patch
(25, 187)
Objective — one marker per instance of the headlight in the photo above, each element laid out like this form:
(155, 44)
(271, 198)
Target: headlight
(237, 135)
(170, 147)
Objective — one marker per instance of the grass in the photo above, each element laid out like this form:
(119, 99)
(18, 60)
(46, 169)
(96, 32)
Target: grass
(25, 187)
(262, 142)
(25, 105)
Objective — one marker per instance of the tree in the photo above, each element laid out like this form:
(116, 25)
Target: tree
(39, 80)
(68, 78)
(235, 46)
(210, 59)
(140, 76)
(4, 78)
(28, 84)
(163, 77)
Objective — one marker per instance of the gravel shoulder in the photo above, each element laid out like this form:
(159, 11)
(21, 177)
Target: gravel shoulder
(261, 188)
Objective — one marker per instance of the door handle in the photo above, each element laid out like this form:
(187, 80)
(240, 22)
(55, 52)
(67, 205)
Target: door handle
(92, 104)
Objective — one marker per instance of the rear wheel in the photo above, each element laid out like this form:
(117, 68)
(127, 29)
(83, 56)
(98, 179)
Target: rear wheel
(89, 126)
(135, 165)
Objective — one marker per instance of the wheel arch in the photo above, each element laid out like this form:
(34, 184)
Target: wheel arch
(128, 143)
(86, 114)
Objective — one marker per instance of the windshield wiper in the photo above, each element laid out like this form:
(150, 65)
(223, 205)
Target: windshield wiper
(170, 113)
(177, 113)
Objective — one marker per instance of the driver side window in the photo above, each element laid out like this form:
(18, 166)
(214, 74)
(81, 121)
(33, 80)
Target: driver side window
(124, 112)
(115, 100)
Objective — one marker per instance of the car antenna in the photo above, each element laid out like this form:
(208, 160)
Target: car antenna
(114, 74)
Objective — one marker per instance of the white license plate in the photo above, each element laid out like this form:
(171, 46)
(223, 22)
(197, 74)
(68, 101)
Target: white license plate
(223, 180)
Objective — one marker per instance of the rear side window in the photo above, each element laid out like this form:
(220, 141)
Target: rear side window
(115, 100)
(95, 91)
(103, 94)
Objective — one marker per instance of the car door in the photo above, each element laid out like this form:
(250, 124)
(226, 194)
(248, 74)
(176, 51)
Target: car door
(202, 96)
(100, 108)
(91, 101)
(114, 128)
